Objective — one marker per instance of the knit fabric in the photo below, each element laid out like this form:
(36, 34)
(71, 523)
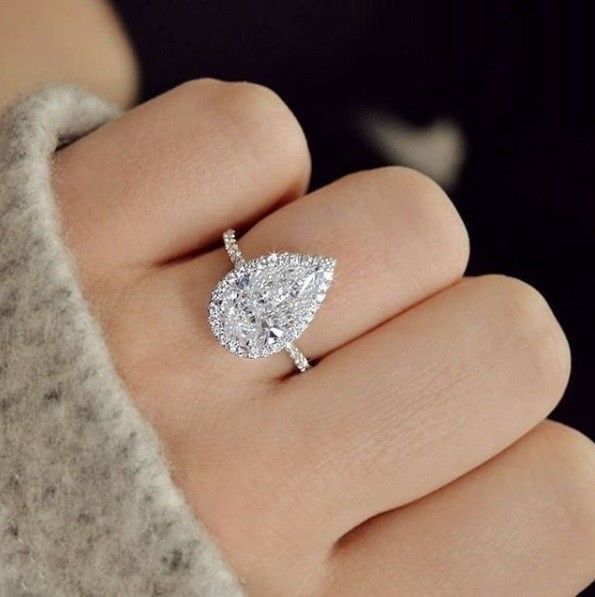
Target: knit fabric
(87, 506)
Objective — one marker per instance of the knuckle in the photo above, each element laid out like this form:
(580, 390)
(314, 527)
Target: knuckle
(187, 94)
(572, 455)
(255, 104)
(263, 119)
(257, 97)
(435, 207)
(257, 120)
(250, 96)
(404, 179)
(417, 183)
(248, 103)
(197, 85)
(428, 209)
(575, 450)
(524, 317)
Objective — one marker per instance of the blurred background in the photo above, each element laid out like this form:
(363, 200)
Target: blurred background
(489, 98)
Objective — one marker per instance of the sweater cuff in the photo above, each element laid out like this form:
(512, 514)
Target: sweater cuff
(87, 506)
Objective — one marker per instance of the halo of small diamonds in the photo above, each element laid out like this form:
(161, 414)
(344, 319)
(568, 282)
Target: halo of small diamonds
(263, 305)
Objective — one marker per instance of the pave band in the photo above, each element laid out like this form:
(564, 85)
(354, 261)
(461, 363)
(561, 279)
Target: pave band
(299, 359)
(263, 305)
(232, 248)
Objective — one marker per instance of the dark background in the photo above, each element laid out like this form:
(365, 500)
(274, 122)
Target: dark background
(513, 75)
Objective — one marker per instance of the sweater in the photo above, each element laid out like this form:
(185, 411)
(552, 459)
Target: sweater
(87, 504)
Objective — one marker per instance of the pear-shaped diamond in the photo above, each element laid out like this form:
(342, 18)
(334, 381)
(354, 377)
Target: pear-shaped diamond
(264, 304)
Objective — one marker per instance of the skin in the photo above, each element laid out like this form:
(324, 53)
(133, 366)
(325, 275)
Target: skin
(55, 41)
(414, 458)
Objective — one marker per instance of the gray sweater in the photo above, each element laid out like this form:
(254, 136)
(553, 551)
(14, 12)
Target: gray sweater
(87, 506)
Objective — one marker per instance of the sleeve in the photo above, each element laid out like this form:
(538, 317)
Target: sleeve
(87, 505)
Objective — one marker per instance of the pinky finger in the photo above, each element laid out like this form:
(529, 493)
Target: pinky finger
(522, 524)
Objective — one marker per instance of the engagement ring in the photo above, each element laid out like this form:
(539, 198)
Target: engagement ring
(263, 305)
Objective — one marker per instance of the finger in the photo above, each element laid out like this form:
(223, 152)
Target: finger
(423, 399)
(165, 178)
(396, 238)
(522, 524)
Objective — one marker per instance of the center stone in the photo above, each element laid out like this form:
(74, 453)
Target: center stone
(264, 304)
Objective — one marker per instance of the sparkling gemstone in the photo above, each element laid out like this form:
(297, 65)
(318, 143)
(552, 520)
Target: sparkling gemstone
(264, 304)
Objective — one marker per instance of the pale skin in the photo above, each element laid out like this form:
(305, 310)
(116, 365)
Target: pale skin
(425, 409)
(414, 458)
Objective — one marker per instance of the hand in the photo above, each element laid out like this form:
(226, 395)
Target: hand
(413, 459)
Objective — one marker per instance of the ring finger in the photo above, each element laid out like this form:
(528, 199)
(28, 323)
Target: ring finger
(395, 235)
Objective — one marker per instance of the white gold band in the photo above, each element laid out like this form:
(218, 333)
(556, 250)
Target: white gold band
(300, 360)
(232, 247)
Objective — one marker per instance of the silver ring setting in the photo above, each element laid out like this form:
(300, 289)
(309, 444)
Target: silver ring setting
(263, 305)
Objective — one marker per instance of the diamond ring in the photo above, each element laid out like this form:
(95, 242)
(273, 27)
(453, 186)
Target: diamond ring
(263, 305)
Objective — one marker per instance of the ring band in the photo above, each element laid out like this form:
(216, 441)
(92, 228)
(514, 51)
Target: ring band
(263, 305)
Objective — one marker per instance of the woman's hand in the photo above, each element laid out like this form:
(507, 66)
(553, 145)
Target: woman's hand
(413, 459)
